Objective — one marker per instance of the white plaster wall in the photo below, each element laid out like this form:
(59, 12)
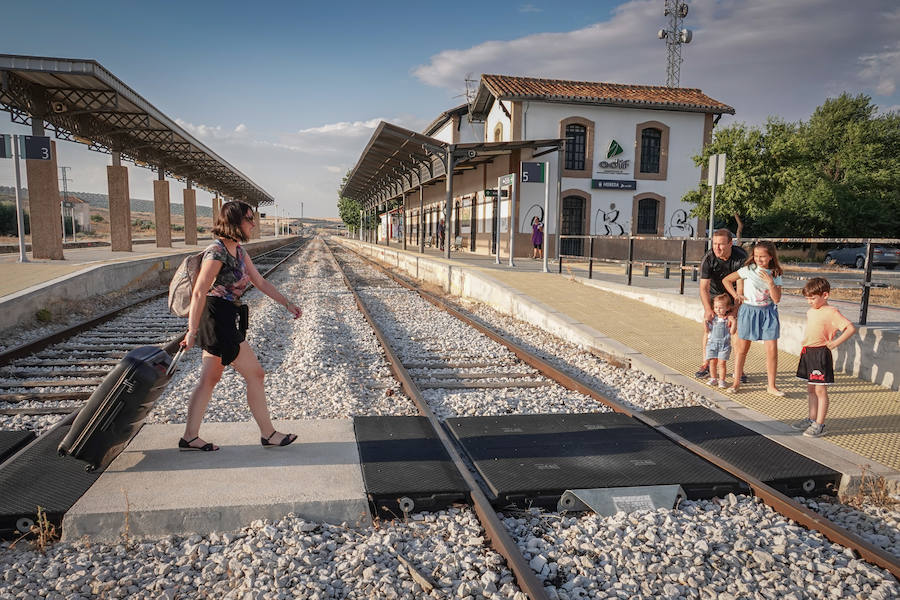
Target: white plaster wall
(541, 120)
(496, 115)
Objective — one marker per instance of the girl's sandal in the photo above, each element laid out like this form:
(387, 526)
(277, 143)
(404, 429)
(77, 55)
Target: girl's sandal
(184, 445)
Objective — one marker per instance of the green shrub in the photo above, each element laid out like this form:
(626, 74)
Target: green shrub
(43, 315)
(97, 218)
(9, 222)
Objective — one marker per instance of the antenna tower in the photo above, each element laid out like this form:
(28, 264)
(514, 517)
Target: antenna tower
(675, 36)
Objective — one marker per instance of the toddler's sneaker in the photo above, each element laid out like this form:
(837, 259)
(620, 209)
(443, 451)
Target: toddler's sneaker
(722, 384)
(802, 425)
(814, 430)
(713, 382)
(703, 372)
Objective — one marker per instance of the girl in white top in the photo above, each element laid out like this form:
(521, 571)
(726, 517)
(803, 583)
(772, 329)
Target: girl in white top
(758, 313)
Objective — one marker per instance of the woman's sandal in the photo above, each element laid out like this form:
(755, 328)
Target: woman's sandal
(184, 444)
(288, 438)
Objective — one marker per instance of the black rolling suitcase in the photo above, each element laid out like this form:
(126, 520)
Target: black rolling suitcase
(116, 410)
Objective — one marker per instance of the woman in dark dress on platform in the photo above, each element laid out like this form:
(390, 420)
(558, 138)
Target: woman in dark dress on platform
(218, 323)
(537, 238)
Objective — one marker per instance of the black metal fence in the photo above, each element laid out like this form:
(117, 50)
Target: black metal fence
(572, 251)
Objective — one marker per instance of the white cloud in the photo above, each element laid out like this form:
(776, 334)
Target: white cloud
(334, 169)
(530, 8)
(345, 128)
(762, 57)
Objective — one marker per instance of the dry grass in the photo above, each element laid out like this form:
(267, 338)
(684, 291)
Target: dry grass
(44, 532)
(872, 491)
(889, 296)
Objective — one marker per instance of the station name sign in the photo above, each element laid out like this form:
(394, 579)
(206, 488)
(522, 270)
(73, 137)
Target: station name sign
(613, 184)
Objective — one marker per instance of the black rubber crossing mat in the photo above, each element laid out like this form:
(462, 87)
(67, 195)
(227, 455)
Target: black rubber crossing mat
(40, 477)
(402, 458)
(533, 459)
(13, 441)
(770, 462)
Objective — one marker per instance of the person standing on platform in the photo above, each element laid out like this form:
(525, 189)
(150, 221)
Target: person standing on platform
(718, 344)
(217, 322)
(441, 233)
(816, 365)
(723, 260)
(758, 312)
(537, 238)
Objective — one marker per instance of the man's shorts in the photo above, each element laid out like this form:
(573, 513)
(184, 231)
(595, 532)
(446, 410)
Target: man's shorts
(718, 349)
(816, 365)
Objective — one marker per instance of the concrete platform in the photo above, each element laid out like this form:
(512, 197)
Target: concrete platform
(88, 272)
(160, 491)
(652, 329)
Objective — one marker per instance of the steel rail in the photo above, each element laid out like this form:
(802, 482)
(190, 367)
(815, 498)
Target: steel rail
(773, 498)
(496, 533)
(39, 344)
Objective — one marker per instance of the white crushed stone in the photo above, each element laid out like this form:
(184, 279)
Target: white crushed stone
(737, 548)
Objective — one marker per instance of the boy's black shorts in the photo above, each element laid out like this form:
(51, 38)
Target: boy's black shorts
(816, 365)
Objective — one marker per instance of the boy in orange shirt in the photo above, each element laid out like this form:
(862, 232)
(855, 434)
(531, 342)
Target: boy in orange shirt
(816, 363)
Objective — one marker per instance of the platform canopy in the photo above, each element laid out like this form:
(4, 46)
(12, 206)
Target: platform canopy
(398, 160)
(83, 102)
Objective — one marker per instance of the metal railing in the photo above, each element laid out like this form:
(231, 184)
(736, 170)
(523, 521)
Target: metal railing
(684, 266)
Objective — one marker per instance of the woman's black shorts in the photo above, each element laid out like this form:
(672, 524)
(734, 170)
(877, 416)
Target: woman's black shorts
(816, 365)
(223, 327)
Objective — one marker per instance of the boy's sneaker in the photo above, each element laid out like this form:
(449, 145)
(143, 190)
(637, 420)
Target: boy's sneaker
(702, 373)
(722, 384)
(802, 425)
(713, 382)
(814, 430)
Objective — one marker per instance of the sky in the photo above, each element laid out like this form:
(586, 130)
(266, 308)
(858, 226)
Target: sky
(290, 92)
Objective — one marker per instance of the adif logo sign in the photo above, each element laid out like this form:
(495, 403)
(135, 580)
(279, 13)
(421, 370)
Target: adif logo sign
(614, 149)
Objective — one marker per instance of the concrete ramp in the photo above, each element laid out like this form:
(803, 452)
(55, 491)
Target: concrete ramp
(317, 478)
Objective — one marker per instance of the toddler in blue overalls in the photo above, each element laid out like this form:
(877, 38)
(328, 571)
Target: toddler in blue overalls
(718, 344)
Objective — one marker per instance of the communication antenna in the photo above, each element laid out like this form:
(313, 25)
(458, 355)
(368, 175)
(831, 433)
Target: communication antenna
(675, 36)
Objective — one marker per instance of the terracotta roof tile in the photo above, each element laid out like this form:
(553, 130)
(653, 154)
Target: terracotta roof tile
(590, 92)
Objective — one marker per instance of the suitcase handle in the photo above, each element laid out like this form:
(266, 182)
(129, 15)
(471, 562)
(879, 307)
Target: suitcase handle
(175, 360)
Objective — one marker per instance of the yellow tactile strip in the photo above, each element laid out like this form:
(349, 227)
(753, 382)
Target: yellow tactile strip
(863, 417)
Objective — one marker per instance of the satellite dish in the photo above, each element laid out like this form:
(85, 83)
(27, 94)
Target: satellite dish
(683, 10)
(686, 36)
(661, 34)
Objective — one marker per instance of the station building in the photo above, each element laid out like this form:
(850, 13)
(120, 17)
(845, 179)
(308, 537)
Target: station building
(626, 164)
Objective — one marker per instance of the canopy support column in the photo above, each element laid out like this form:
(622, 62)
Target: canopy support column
(162, 211)
(119, 205)
(451, 162)
(190, 215)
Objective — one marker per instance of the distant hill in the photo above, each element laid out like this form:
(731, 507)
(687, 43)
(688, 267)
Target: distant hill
(102, 201)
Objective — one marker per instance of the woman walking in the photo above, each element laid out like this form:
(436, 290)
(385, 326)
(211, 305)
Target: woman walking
(218, 323)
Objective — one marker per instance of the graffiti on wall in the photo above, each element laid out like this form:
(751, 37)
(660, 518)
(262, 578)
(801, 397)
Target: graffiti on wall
(679, 226)
(606, 222)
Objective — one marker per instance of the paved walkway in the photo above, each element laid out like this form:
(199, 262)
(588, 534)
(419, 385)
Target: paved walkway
(863, 417)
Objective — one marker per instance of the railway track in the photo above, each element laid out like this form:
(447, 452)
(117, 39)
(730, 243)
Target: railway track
(51, 377)
(420, 370)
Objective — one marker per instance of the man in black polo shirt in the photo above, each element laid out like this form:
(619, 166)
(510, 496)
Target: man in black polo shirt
(720, 262)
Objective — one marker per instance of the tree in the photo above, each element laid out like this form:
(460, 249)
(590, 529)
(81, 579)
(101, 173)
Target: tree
(348, 208)
(751, 180)
(836, 175)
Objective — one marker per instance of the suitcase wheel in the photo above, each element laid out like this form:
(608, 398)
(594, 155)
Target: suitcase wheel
(90, 468)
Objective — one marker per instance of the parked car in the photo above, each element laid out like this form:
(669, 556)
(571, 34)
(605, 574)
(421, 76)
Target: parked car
(882, 256)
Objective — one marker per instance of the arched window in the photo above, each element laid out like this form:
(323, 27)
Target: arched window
(498, 132)
(650, 148)
(647, 211)
(576, 146)
(579, 135)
